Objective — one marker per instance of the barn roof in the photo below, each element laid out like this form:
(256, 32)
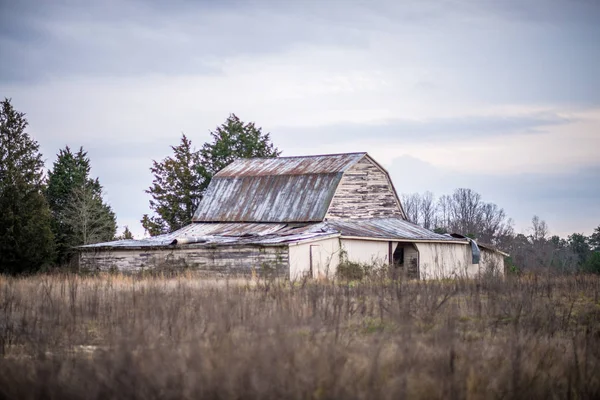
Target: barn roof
(237, 233)
(284, 189)
(386, 228)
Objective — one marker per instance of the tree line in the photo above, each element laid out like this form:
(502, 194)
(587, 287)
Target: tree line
(45, 216)
(464, 211)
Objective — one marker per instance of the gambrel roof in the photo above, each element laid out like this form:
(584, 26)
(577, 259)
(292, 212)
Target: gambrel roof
(284, 189)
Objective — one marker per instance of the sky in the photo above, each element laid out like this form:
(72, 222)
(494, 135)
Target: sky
(499, 96)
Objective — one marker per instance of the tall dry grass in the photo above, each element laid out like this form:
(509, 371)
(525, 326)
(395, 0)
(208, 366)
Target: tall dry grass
(69, 336)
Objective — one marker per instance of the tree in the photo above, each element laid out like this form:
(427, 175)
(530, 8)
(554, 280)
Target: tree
(68, 177)
(580, 247)
(71, 191)
(411, 203)
(594, 239)
(88, 219)
(232, 140)
(176, 190)
(26, 240)
(180, 181)
(427, 207)
(461, 212)
(126, 235)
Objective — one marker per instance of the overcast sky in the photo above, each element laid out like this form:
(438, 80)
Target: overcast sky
(499, 96)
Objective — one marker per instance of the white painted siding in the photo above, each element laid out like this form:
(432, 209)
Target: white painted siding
(221, 259)
(492, 262)
(366, 251)
(365, 191)
(325, 258)
(446, 260)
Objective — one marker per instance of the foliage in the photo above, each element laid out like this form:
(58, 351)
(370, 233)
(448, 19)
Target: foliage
(592, 264)
(462, 212)
(232, 140)
(594, 240)
(351, 271)
(72, 195)
(579, 246)
(126, 235)
(180, 180)
(87, 218)
(26, 240)
(114, 336)
(176, 189)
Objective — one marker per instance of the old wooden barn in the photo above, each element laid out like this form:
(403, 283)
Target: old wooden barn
(301, 216)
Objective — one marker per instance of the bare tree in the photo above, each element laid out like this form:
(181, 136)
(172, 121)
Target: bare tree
(465, 211)
(427, 210)
(539, 229)
(442, 218)
(412, 205)
(90, 220)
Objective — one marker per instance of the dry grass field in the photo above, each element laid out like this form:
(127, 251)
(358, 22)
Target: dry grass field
(113, 336)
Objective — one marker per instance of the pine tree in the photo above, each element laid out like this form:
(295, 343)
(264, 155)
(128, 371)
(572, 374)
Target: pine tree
(232, 140)
(26, 240)
(176, 190)
(86, 217)
(126, 235)
(70, 192)
(595, 239)
(180, 180)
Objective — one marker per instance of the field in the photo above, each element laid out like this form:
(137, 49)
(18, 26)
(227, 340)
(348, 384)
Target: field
(114, 336)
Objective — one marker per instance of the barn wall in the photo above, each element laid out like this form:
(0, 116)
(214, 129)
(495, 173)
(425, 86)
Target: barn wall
(492, 262)
(222, 259)
(366, 251)
(446, 260)
(326, 255)
(364, 191)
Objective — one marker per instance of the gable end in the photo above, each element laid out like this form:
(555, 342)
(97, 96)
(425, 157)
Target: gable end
(365, 191)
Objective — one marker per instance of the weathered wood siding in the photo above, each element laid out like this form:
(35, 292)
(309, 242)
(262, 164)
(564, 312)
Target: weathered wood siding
(221, 259)
(365, 191)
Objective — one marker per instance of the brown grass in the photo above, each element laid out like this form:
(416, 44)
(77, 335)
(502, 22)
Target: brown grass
(69, 336)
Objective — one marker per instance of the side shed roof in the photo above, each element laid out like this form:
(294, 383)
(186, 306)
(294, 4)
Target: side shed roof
(284, 189)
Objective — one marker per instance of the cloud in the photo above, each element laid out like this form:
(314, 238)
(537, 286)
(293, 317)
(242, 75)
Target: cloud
(519, 52)
(568, 200)
(426, 130)
(499, 88)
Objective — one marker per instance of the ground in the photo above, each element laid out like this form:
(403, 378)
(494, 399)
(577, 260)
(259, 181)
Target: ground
(115, 336)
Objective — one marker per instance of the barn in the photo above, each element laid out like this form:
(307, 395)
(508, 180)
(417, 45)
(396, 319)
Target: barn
(298, 217)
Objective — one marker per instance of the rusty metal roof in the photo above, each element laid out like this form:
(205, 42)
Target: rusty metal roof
(201, 234)
(284, 189)
(300, 165)
(386, 228)
(215, 234)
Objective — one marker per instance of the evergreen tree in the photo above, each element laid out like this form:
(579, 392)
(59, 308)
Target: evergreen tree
(580, 247)
(594, 240)
(72, 194)
(126, 235)
(176, 190)
(87, 219)
(26, 240)
(180, 180)
(232, 140)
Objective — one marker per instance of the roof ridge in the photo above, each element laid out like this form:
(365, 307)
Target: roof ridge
(305, 156)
